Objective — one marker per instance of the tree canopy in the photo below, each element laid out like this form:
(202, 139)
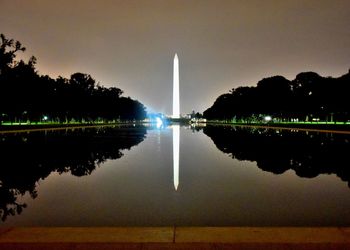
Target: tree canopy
(308, 96)
(27, 95)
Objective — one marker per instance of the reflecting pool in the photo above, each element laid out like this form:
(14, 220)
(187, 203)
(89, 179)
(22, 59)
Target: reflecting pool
(183, 176)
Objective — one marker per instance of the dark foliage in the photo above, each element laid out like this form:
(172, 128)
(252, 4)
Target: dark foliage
(30, 157)
(308, 95)
(26, 95)
(307, 153)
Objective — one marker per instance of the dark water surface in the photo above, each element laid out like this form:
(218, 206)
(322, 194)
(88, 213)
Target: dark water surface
(124, 176)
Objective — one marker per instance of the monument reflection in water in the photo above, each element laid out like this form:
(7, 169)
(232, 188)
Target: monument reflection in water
(176, 154)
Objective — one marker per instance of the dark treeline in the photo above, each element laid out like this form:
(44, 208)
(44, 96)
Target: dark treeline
(27, 96)
(307, 153)
(308, 97)
(28, 158)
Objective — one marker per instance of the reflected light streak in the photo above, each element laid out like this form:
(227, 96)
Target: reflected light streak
(176, 154)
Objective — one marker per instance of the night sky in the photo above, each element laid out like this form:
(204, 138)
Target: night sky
(221, 44)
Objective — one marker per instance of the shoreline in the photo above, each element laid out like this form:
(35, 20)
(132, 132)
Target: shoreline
(314, 127)
(308, 127)
(24, 128)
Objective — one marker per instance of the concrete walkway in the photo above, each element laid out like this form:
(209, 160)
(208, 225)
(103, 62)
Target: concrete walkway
(142, 238)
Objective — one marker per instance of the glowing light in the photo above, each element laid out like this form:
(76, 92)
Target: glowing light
(267, 118)
(45, 118)
(176, 154)
(176, 89)
(159, 122)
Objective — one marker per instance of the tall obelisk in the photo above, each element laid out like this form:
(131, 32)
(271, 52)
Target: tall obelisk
(176, 87)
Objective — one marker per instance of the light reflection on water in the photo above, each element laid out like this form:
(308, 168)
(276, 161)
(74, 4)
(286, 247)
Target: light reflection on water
(176, 154)
(129, 177)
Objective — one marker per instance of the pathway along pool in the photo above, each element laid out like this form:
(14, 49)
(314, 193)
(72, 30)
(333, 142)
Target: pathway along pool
(124, 176)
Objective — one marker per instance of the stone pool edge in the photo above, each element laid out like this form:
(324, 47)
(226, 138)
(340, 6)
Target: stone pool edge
(175, 238)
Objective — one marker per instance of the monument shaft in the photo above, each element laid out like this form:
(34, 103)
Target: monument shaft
(176, 89)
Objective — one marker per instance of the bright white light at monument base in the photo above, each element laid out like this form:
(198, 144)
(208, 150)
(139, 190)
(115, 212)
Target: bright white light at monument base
(176, 87)
(159, 122)
(268, 118)
(176, 154)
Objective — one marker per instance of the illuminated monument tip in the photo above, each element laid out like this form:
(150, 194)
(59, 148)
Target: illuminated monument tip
(176, 87)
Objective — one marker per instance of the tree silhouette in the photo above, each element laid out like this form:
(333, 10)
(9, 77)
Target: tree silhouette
(276, 151)
(8, 50)
(26, 95)
(28, 158)
(307, 96)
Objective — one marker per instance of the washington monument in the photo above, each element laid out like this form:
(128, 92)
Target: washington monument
(176, 92)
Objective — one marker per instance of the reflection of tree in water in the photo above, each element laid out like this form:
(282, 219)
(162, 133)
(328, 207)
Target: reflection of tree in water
(27, 158)
(307, 153)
